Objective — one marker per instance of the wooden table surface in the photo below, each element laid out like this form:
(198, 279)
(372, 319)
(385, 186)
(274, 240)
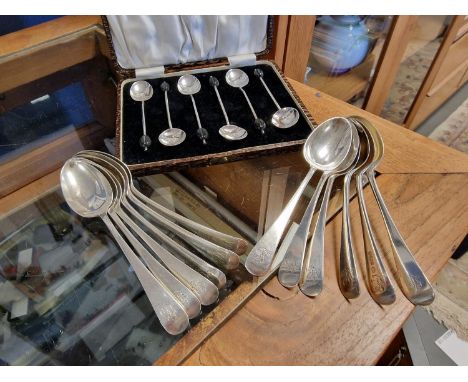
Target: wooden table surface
(425, 185)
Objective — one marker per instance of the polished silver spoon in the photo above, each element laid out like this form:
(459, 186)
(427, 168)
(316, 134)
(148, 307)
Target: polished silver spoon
(229, 131)
(190, 85)
(171, 136)
(237, 78)
(327, 152)
(284, 117)
(89, 194)
(142, 91)
(331, 139)
(311, 282)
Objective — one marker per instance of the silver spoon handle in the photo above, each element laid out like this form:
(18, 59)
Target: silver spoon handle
(210, 272)
(143, 118)
(290, 269)
(222, 105)
(184, 295)
(233, 243)
(196, 111)
(166, 100)
(249, 103)
(169, 312)
(204, 289)
(261, 256)
(348, 277)
(414, 283)
(221, 256)
(269, 92)
(311, 283)
(379, 284)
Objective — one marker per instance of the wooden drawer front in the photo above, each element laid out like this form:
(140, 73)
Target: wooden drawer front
(454, 63)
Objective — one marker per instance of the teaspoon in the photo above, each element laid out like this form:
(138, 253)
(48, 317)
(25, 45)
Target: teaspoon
(237, 78)
(171, 136)
(228, 131)
(284, 117)
(89, 194)
(334, 149)
(190, 85)
(330, 139)
(142, 91)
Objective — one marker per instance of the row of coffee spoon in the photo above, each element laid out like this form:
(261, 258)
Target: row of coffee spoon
(340, 147)
(142, 91)
(176, 281)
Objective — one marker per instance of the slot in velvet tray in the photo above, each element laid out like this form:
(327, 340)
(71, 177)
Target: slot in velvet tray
(217, 150)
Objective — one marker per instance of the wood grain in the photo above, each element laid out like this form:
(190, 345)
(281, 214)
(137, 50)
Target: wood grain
(291, 329)
(389, 63)
(298, 46)
(281, 34)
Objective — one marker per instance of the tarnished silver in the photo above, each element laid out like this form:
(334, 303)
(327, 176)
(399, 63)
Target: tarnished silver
(324, 139)
(237, 78)
(205, 291)
(284, 117)
(213, 274)
(413, 282)
(142, 91)
(378, 283)
(229, 131)
(311, 280)
(89, 193)
(171, 136)
(188, 84)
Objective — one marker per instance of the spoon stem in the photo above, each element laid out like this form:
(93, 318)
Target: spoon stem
(414, 283)
(222, 105)
(249, 103)
(196, 112)
(143, 119)
(166, 99)
(262, 254)
(168, 310)
(290, 269)
(269, 92)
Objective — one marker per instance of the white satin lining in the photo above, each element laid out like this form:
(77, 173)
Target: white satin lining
(149, 41)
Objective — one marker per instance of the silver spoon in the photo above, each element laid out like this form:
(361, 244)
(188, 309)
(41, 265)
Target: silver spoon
(378, 283)
(311, 283)
(327, 152)
(200, 290)
(142, 91)
(413, 282)
(237, 78)
(330, 139)
(232, 243)
(228, 131)
(190, 85)
(285, 117)
(171, 136)
(89, 194)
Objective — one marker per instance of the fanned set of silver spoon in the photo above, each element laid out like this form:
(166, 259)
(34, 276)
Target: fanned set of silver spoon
(142, 91)
(176, 280)
(340, 148)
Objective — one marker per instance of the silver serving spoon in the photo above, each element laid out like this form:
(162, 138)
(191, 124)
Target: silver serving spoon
(327, 153)
(142, 91)
(232, 243)
(237, 78)
(378, 283)
(228, 131)
(330, 141)
(171, 136)
(413, 282)
(285, 117)
(311, 282)
(89, 194)
(190, 85)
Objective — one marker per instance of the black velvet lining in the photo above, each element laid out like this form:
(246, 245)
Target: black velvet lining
(211, 116)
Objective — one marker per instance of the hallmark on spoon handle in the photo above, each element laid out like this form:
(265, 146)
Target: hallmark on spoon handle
(414, 283)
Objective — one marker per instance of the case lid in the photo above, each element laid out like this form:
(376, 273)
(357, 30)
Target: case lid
(142, 42)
